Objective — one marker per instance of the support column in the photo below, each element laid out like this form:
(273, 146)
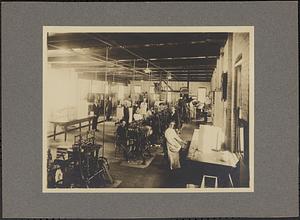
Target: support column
(105, 103)
(228, 130)
(188, 83)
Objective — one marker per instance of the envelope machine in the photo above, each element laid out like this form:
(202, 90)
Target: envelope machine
(79, 166)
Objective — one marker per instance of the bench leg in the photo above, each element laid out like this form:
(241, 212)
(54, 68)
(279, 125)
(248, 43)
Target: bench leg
(80, 127)
(230, 180)
(66, 133)
(54, 132)
(204, 178)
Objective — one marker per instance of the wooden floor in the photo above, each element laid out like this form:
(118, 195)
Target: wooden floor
(156, 175)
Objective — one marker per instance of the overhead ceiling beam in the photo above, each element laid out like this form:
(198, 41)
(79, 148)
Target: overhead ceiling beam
(172, 58)
(154, 53)
(177, 54)
(97, 64)
(131, 72)
(130, 76)
(134, 54)
(101, 60)
(118, 69)
(143, 39)
(83, 42)
(173, 44)
(174, 64)
(183, 67)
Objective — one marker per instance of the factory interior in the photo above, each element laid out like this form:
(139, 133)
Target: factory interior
(147, 110)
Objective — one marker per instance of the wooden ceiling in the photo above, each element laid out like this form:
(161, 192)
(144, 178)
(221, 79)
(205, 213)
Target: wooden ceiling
(125, 56)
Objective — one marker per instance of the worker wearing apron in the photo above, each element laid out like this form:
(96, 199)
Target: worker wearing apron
(174, 144)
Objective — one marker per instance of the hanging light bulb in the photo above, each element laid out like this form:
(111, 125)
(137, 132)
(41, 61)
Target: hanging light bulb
(147, 70)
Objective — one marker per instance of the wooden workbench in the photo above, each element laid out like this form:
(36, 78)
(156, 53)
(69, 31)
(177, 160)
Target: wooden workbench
(66, 123)
(204, 156)
(204, 152)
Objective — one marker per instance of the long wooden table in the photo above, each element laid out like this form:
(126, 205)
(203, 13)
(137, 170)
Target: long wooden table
(209, 154)
(66, 123)
(205, 158)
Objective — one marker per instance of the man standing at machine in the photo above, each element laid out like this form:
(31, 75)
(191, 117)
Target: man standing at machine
(126, 113)
(101, 105)
(96, 110)
(108, 108)
(181, 106)
(144, 107)
(121, 139)
(176, 118)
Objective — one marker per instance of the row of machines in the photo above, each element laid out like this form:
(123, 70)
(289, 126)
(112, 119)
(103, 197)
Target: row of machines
(80, 166)
(137, 139)
(138, 146)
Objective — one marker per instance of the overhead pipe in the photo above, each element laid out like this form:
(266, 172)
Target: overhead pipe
(134, 54)
(100, 60)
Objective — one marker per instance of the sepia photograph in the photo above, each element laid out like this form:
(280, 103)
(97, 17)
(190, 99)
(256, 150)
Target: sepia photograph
(148, 109)
(167, 110)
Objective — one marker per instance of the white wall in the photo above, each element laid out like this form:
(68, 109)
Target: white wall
(65, 90)
(61, 91)
(223, 114)
(145, 85)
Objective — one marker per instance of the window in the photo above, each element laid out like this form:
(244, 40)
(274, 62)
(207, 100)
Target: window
(201, 93)
(137, 89)
(236, 107)
(240, 142)
(238, 72)
(224, 86)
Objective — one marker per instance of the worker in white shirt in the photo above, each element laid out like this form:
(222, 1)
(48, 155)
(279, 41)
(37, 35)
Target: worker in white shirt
(144, 107)
(174, 145)
(207, 100)
(137, 115)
